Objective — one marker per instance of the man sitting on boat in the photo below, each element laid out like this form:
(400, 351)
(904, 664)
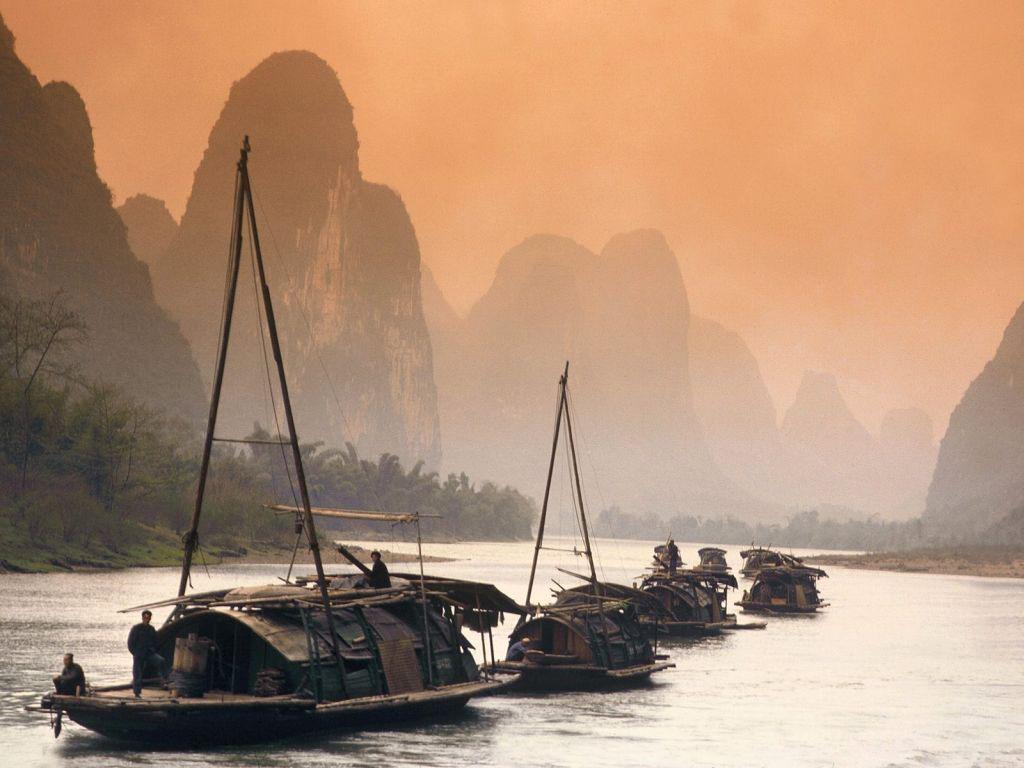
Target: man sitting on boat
(379, 576)
(71, 680)
(142, 646)
(517, 651)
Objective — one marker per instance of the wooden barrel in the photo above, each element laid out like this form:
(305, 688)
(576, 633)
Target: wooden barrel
(191, 655)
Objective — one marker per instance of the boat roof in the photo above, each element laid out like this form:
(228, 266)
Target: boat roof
(585, 594)
(304, 594)
(769, 550)
(711, 551)
(691, 575)
(467, 594)
(788, 573)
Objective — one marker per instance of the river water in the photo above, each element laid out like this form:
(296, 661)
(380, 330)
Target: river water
(901, 670)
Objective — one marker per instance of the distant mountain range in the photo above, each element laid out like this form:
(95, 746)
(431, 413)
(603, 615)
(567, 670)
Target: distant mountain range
(621, 318)
(672, 411)
(674, 401)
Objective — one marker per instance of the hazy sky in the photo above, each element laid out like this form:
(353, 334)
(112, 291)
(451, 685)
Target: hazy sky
(843, 182)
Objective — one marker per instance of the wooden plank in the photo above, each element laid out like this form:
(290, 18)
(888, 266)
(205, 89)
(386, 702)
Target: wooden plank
(401, 666)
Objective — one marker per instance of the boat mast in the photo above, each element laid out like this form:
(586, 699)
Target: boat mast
(192, 537)
(244, 205)
(579, 493)
(547, 487)
(563, 412)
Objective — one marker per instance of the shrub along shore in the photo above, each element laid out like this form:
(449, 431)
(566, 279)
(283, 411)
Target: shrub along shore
(91, 478)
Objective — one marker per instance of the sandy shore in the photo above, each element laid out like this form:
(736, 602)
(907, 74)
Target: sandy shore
(965, 561)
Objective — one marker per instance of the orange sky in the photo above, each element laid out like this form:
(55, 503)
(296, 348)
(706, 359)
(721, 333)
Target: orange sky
(842, 182)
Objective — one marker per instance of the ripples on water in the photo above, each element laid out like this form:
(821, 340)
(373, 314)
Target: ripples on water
(902, 670)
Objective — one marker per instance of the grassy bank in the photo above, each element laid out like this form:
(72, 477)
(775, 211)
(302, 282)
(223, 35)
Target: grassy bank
(143, 545)
(146, 547)
(964, 561)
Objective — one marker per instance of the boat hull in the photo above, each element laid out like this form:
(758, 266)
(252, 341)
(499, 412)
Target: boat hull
(577, 677)
(749, 607)
(686, 628)
(189, 722)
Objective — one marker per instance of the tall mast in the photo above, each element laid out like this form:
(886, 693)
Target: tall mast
(244, 205)
(191, 538)
(579, 492)
(547, 486)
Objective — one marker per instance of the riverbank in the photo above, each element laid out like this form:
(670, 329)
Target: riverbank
(149, 547)
(1006, 562)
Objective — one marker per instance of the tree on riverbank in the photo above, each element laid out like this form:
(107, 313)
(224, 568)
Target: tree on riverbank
(84, 468)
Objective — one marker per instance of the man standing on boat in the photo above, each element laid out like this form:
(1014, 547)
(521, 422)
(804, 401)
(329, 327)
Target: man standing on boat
(142, 645)
(379, 576)
(673, 556)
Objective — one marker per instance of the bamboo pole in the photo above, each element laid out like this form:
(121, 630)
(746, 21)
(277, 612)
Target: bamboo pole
(191, 538)
(547, 485)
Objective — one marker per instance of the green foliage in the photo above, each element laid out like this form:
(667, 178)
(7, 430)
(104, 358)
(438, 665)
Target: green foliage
(804, 529)
(85, 469)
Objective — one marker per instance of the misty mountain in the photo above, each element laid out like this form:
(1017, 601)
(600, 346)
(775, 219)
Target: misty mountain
(622, 318)
(59, 231)
(822, 457)
(833, 460)
(342, 259)
(735, 410)
(820, 421)
(979, 477)
(150, 227)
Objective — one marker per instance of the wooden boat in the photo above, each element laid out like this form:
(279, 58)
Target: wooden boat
(252, 664)
(784, 590)
(269, 668)
(712, 559)
(583, 647)
(695, 602)
(756, 558)
(592, 638)
(690, 603)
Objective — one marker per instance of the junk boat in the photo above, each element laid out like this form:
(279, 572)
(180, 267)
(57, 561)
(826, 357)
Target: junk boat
(712, 559)
(784, 590)
(695, 602)
(259, 663)
(756, 558)
(593, 640)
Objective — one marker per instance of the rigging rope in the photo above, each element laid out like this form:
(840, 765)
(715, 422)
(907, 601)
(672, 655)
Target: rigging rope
(347, 432)
(580, 442)
(266, 366)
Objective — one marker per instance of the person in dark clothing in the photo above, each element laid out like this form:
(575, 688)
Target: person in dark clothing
(517, 651)
(379, 576)
(71, 680)
(674, 560)
(142, 645)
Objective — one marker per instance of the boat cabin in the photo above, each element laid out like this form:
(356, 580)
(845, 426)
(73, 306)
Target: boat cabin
(382, 646)
(784, 590)
(712, 559)
(695, 602)
(756, 558)
(582, 647)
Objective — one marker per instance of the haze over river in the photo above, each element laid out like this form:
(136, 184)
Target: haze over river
(901, 670)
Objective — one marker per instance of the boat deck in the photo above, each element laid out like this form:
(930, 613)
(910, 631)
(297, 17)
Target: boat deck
(162, 695)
